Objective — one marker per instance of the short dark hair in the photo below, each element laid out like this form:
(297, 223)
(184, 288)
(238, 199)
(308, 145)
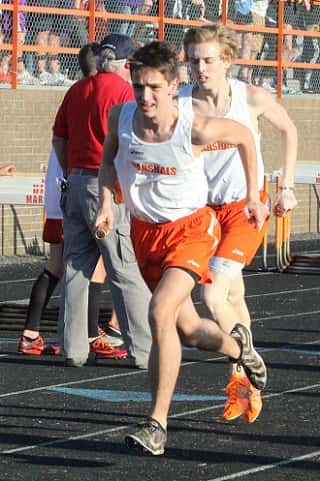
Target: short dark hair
(88, 58)
(160, 56)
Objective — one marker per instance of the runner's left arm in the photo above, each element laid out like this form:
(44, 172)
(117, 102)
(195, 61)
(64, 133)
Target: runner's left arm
(267, 106)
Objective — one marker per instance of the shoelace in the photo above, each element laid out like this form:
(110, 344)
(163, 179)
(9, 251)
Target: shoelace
(152, 426)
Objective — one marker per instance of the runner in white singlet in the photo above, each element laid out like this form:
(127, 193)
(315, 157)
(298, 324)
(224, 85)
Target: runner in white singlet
(155, 150)
(210, 51)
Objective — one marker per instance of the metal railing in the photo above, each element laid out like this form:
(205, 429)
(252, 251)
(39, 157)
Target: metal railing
(149, 19)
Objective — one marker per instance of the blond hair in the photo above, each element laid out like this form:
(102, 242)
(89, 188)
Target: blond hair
(224, 36)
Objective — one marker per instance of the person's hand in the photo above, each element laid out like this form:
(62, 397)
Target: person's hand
(9, 169)
(256, 212)
(104, 218)
(284, 201)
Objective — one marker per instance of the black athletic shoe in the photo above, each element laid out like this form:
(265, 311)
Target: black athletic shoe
(250, 360)
(150, 438)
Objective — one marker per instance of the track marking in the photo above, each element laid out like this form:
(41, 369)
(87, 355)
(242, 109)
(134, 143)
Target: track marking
(251, 296)
(121, 428)
(291, 291)
(266, 467)
(275, 293)
(282, 316)
(135, 373)
(111, 376)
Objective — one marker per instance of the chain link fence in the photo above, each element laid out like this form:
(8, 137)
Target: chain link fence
(40, 39)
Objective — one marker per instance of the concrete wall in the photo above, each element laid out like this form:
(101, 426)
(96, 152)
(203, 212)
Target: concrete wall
(25, 125)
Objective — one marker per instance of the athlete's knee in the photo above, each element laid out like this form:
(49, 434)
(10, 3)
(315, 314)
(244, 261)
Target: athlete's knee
(160, 315)
(236, 294)
(214, 299)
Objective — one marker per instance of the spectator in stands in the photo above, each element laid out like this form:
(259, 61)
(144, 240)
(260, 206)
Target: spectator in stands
(101, 24)
(6, 23)
(128, 7)
(146, 31)
(42, 27)
(42, 30)
(241, 14)
(258, 11)
(5, 73)
(23, 75)
(311, 51)
(41, 71)
(196, 10)
(74, 33)
(9, 169)
(56, 76)
(293, 18)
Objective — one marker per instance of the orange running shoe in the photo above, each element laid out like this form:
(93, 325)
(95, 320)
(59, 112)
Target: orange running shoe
(254, 405)
(237, 402)
(104, 350)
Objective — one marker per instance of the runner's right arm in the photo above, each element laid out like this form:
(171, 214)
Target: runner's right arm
(107, 172)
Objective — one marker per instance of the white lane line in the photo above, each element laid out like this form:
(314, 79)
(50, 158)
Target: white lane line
(292, 291)
(282, 316)
(82, 381)
(111, 376)
(137, 372)
(275, 293)
(266, 467)
(16, 281)
(121, 428)
(250, 296)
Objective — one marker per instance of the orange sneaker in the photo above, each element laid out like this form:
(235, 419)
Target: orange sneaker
(254, 405)
(237, 402)
(103, 349)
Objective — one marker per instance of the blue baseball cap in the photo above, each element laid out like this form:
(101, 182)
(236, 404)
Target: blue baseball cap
(121, 45)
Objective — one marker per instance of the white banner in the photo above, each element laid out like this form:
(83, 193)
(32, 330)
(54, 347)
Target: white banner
(22, 190)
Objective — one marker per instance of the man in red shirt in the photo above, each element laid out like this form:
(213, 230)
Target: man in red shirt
(79, 131)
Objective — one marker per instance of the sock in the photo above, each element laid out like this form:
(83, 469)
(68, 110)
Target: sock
(41, 292)
(94, 299)
(30, 339)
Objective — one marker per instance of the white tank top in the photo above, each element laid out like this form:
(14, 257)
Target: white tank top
(161, 181)
(52, 191)
(223, 166)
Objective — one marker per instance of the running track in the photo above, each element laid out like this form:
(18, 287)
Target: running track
(62, 424)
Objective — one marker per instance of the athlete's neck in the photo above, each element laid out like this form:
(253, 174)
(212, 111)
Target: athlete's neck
(214, 101)
(215, 95)
(158, 128)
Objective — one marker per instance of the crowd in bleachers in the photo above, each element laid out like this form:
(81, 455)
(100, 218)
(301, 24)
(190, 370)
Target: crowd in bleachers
(55, 31)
